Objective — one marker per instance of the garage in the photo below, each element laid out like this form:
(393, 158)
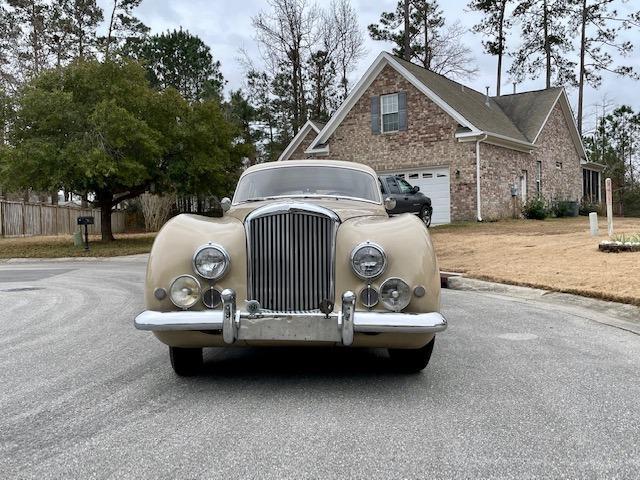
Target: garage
(434, 183)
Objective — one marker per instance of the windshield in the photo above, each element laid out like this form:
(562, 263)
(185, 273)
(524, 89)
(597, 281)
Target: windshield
(311, 181)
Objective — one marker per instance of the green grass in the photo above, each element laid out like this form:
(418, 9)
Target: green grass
(56, 247)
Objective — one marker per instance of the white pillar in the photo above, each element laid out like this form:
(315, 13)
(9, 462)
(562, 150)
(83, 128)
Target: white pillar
(607, 183)
(593, 223)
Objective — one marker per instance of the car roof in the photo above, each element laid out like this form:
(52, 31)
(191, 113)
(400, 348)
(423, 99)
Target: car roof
(311, 163)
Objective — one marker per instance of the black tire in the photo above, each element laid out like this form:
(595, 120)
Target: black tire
(186, 362)
(411, 360)
(425, 215)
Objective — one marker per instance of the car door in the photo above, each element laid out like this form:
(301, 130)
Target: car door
(393, 191)
(412, 200)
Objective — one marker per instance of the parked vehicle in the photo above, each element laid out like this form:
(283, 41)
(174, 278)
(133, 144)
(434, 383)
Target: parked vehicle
(408, 198)
(305, 254)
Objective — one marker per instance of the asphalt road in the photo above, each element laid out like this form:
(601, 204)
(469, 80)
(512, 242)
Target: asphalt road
(515, 389)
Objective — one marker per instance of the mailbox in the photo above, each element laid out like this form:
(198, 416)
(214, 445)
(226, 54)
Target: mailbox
(85, 220)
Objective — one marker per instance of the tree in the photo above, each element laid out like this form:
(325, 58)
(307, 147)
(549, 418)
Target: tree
(123, 28)
(494, 26)
(322, 74)
(9, 33)
(546, 41)
(615, 144)
(100, 128)
(260, 98)
(183, 61)
(83, 17)
(31, 18)
(436, 46)
(243, 115)
(599, 27)
(286, 34)
(349, 41)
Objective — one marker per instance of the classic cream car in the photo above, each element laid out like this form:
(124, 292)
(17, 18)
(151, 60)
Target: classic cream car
(305, 254)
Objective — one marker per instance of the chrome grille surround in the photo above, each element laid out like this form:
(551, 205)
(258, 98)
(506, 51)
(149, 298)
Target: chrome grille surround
(291, 256)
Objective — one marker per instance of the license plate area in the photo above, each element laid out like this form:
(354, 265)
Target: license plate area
(290, 328)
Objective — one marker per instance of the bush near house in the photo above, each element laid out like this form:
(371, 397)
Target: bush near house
(535, 209)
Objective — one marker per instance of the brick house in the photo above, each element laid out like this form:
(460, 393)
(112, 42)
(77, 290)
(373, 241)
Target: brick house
(476, 156)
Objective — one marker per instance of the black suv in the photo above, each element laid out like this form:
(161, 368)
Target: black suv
(408, 198)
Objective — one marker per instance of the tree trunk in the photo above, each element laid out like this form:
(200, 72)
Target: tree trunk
(407, 42)
(110, 31)
(500, 47)
(547, 45)
(583, 37)
(105, 202)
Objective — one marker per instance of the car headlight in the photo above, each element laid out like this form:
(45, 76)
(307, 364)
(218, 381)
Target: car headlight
(395, 294)
(368, 260)
(211, 261)
(185, 291)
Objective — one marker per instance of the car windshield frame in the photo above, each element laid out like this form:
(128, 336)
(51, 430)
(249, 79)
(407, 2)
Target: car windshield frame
(374, 179)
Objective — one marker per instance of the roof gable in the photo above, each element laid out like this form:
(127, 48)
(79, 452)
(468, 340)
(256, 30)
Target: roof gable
(310, 127)
(514, 121)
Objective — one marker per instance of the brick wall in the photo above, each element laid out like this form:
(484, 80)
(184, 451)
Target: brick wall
(428, 141)
(501, 168)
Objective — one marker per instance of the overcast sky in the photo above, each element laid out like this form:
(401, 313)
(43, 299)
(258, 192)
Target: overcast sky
(225, 25)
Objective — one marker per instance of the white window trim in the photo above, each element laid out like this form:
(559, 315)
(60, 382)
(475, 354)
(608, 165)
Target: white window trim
(382, 114)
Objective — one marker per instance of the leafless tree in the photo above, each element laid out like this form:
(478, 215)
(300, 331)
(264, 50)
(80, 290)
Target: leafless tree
(451, 57)
(349, 41)
(286, 34)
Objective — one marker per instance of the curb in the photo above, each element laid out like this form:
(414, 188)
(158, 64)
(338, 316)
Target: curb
(619, 315)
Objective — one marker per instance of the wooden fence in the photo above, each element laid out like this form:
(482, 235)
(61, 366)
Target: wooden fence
(19, 219)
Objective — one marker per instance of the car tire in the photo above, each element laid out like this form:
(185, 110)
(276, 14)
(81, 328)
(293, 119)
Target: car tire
(425, 215)
(411, 360)
(186, 362)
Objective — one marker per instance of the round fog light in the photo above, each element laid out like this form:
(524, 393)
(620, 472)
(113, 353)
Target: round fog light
(211, 298)
(395, 294)
(369, 297)
(185, 291)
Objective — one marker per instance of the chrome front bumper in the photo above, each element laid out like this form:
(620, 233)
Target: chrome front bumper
(337, 327)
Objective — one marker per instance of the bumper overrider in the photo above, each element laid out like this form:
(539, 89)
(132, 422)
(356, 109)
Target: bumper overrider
(267, 325)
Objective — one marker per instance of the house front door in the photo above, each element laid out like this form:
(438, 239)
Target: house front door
(523, 186)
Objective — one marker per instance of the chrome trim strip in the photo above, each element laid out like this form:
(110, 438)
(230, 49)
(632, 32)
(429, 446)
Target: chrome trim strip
(196, 320)
(292, 207)
(391, 322)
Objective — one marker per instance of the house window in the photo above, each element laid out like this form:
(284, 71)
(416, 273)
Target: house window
(559, 165)
(539, 177)
(390, 113)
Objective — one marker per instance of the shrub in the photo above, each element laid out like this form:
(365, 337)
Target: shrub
(587, 207)
(535, 209)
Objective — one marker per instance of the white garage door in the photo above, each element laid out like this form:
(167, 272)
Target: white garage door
(435, 184)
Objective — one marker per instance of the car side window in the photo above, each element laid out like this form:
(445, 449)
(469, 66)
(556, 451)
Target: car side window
(393, 185)
(404, 186)
(382, 189)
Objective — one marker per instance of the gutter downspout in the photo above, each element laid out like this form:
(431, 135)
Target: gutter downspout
(478, 197)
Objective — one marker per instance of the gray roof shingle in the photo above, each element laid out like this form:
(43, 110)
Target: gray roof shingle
(518, 116)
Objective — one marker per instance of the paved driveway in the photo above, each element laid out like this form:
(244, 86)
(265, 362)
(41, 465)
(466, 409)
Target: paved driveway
(515, 389)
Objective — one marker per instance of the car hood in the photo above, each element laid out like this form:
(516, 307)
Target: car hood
(345, 209)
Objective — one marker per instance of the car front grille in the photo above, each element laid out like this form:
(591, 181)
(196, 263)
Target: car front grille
(291, 257)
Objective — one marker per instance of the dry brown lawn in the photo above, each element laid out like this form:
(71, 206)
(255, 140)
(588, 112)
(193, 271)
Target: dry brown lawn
(62, 246)
(554, 254)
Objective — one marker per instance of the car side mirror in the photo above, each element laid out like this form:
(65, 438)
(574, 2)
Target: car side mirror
(389, 203)
(225, 203)
(416, 189)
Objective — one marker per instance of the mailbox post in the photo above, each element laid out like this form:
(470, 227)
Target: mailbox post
(86, 221)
